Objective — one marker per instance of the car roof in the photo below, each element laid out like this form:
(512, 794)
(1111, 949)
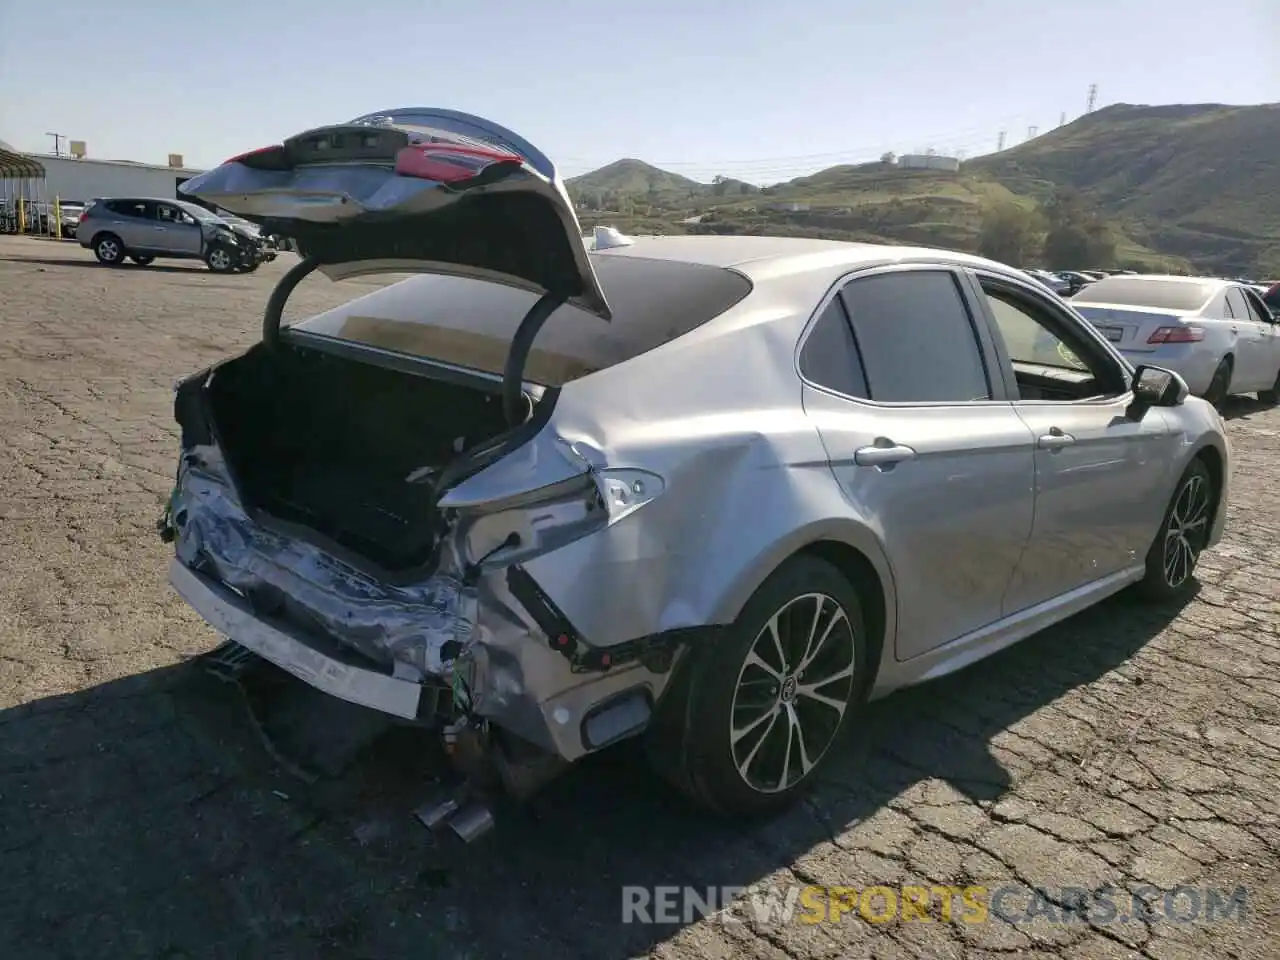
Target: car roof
(1215, 283)
(763, 257)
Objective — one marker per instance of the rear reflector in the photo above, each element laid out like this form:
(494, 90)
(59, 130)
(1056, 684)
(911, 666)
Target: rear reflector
(1176, 335)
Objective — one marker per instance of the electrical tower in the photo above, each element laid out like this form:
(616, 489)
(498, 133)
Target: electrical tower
(1031, 132)
(57, 142)
(1000, 142)
(1093, 97)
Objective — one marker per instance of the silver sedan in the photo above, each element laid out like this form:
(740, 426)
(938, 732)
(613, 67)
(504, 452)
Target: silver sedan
(718, 492)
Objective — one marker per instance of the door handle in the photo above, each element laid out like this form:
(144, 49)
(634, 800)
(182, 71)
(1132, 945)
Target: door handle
(879, 456)
(1055, 439)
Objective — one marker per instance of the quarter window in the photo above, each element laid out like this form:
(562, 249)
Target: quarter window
(915, 338)
(830, 357)
(1235, 303)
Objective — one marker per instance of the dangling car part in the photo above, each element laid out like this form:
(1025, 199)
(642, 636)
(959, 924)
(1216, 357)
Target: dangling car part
(554, 497)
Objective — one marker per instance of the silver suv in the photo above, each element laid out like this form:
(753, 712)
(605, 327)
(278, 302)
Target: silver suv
(144, 228)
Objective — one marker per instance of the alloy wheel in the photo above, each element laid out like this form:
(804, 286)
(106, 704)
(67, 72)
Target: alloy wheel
(1187, 531)
(109, 250)
(220, 260)
(792, 693)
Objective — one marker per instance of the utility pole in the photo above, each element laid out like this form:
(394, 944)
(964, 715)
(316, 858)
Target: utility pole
(1000, 142)
(57, 142)
(1093, 97)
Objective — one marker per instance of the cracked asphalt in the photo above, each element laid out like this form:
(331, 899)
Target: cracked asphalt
(141, 816)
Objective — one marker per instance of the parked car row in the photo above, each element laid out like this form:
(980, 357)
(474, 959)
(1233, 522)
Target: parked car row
(1219, 335)
(142, 228)
(616, 533)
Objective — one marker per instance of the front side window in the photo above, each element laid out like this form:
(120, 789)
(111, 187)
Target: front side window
(916, 339)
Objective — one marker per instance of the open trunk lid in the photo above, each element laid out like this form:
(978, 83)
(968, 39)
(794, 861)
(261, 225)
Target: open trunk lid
(1130, 327)
(415, 189)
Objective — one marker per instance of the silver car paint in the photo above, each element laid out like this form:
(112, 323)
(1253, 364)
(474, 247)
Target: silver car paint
(754, 466)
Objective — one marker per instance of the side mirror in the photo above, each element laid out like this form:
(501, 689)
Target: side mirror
(1158, 387)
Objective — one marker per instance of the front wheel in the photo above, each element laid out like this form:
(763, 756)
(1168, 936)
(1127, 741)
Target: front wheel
(1173, 556)
(219, 259)
(251, 266)
(767, 701)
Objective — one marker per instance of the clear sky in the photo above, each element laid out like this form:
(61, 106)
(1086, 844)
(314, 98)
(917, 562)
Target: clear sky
(760, 90)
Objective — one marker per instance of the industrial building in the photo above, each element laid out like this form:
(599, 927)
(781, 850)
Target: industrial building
(928, 161)
(81, 178)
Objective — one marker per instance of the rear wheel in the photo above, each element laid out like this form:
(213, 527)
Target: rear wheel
(143, 261)
(768, 700)
(1172, 559)
(108, 249)
(1220, 384)
(1271, 396)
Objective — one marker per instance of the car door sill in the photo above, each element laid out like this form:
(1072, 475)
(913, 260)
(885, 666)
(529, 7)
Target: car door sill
(981, 643)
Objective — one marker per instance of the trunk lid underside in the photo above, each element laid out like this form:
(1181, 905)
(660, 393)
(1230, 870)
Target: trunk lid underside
(416, 189)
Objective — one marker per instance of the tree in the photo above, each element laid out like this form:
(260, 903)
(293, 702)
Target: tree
(1077, 238)
(1009, 234)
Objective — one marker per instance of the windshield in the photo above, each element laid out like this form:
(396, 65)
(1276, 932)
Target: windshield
(197, 211)
(1171, 294)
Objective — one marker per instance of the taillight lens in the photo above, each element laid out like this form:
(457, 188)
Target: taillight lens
(1176, 335)
(84, 215)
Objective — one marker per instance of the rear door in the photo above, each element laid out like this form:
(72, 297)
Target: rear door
(134, 221)
(1101, 478)
(415, 189)
(923, 443)
(1252, 346)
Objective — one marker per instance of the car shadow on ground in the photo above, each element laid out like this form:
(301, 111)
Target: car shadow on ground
(1238, 408)
(94, 264)
(141, 818)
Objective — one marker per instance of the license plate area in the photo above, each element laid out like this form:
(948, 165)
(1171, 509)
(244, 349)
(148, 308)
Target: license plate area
(1114, 334)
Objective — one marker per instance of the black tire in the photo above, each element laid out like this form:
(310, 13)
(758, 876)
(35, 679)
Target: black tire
(1220, 384)
(220, 259)
(696, 749)
(143, 261)
(109, 249)
(1271, 397)
(1187, 519)
(250, 267)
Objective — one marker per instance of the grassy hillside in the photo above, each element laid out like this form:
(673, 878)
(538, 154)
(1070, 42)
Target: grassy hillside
(1181, 185)
(1200, 180)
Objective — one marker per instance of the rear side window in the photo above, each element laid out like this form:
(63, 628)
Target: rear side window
(1236, 305)
(916, 339)
(129, 208)
(830, 357)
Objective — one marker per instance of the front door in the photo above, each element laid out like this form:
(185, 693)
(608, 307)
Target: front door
(1100, 476)
(896, 382)
(177, 231)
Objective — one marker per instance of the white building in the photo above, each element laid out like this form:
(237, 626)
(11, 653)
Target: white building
(928, 161)
(70, 179)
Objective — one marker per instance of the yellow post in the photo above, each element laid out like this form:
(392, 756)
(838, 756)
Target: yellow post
(22, 214)
(57, 217)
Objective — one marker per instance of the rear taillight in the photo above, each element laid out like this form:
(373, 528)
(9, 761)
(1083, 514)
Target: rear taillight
(1176, 335)
(84, 215)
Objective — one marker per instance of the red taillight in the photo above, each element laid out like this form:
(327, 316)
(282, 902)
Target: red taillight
(84, 215)
(1176, 335)
(448, 163)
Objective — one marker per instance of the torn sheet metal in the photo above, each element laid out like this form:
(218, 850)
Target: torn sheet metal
(418, 628)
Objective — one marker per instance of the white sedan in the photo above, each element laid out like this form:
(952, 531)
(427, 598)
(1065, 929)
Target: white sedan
(1217, 333)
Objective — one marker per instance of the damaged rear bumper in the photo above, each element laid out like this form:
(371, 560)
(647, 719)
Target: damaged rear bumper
(416, 650)
(303, 656)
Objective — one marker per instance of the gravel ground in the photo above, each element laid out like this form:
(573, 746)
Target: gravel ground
(140, 815)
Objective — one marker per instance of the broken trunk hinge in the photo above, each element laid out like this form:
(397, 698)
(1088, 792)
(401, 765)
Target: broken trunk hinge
(565, 640)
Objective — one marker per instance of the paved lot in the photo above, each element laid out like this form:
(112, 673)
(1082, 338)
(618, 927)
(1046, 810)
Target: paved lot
(140, 815)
